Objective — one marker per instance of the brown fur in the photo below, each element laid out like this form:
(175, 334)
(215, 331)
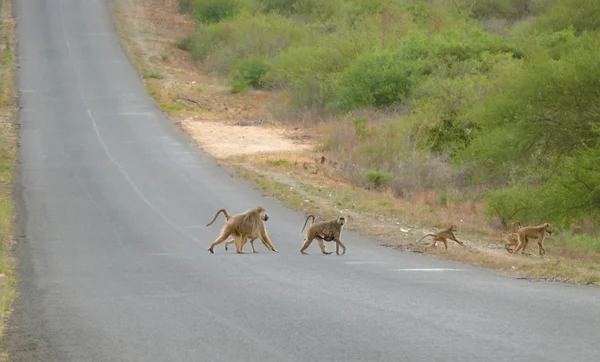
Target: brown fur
(533, 232)
(249, 225)
(511, 239)
(324, 231)
(442, 236)
(232, 240)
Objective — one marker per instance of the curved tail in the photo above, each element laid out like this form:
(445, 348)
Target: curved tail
(424, 238)
(227, 216)
(305, 221)
(517, 223)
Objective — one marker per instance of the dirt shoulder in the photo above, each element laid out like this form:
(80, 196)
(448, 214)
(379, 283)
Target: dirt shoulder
(241, 131)
(8, 161)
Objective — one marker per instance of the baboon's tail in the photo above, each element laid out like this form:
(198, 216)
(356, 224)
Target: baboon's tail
(517, 223)
(217, 214)
(305, 221)
(424, 238)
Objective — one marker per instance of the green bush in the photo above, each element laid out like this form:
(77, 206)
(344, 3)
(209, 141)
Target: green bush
(222, 45)
(320, 8)
(249, 73)
(377, 178)
(580, 14)
(377, 79)
(213, 11)
(185, 5)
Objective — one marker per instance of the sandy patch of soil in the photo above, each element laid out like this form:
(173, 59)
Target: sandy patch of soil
(224, 140)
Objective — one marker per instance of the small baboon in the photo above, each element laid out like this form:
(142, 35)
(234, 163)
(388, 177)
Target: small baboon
(249, 225)
(533, 232)
(511, 239)
(442, 236)
(326, 230)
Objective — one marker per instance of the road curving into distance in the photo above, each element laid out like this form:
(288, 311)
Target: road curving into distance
(112, 256)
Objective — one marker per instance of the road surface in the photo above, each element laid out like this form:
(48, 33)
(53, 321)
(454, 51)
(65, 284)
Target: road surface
(113, 260)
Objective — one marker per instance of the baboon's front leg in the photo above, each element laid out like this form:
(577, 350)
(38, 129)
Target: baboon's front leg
(458, 241)
(252, 245)
(264, 237)
(541, 249)
(339, 243)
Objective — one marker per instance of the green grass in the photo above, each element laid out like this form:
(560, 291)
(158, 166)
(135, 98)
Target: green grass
(8, 158)
(282, 163)
(172, 107)
(153, 75)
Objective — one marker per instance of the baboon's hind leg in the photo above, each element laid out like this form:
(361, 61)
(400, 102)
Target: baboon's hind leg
(322, 246)
(224, 235)
(306, 244)
(239, 243)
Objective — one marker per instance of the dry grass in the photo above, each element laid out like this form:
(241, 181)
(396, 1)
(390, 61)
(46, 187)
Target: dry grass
(8, 158)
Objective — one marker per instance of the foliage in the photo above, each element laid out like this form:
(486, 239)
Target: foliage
(377, 178)
(378, 79)
(457, 104)
(249, 73)
(212, 11)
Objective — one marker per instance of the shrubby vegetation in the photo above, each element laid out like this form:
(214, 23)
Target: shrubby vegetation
(493, 95)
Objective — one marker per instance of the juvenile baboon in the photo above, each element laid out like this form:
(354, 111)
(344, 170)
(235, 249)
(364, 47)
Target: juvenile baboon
(442, 236)
(231, 241)
(249, 225)
(533, 232)
(326, 230)
(511, 239)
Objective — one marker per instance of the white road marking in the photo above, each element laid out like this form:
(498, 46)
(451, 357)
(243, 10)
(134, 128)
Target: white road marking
(429, 269)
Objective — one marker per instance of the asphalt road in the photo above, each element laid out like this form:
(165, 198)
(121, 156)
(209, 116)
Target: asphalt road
(113, 260)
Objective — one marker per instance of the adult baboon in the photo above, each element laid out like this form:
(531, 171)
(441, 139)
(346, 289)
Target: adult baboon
(442, 236)
(249, 225)
(232, 240)
(533, 232)
(326, 230)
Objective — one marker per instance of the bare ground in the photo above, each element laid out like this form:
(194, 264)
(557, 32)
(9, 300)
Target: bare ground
(240, 131)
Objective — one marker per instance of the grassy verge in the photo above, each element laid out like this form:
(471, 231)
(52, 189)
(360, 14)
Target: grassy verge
(8, 158)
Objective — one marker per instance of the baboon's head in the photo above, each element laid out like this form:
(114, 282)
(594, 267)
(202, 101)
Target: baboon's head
(548, 228)
(341, 220)
(263, 213)
(453, 228)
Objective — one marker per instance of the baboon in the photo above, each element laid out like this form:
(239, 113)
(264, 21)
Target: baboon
(511, 239)
(231, 241)
(326, 230)
(442, 236)
(533, 232)
(249, 225)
